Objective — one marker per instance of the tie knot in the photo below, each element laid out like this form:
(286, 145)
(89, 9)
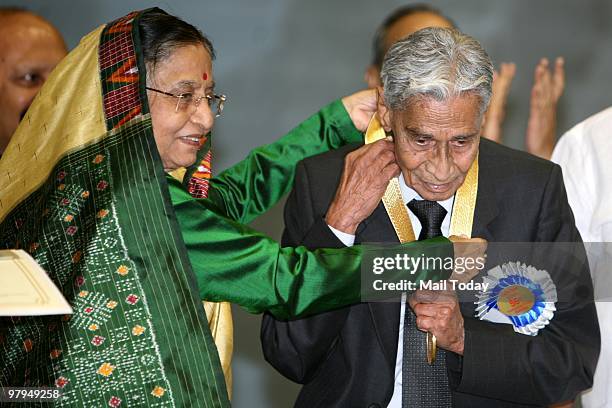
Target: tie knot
(430, 214)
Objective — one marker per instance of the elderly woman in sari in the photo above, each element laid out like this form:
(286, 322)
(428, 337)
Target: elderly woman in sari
(87, 190)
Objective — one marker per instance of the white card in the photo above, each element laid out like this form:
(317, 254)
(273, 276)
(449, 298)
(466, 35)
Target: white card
(26, 289)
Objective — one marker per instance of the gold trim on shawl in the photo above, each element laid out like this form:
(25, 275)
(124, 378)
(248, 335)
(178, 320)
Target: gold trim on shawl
(219, 316)
(462, 218)
(395, 206)
(68, 107)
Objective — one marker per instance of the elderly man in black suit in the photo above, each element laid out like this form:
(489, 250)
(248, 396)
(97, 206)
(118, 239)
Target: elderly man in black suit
(436, 87)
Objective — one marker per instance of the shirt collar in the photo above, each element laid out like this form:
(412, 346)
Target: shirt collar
(409, 194)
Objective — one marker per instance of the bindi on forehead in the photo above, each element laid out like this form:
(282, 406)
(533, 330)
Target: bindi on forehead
(205, 76)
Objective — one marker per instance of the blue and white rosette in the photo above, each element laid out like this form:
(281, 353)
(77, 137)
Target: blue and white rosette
(518, 294)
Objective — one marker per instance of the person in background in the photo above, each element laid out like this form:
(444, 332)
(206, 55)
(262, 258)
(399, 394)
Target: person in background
(30, 47)
(584, 155)
(545, 93)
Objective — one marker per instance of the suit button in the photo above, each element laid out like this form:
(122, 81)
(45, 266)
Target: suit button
(374, 405)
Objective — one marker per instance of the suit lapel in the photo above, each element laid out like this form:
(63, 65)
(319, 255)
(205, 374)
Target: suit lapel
(377, 228)
(486, 201)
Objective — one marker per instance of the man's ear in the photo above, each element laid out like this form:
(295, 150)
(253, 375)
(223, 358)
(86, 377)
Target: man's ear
(372, 76)
(384, 114)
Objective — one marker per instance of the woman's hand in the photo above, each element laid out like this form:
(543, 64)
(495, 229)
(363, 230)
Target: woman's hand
(360, 107)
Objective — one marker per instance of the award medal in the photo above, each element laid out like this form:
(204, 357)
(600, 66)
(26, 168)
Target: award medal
(523, 295)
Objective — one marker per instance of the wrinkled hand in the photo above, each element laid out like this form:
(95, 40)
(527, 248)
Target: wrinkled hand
(496, 112)
(468, 248)
(366, 173)
(542, 125)
(438, 313)
(361, 107)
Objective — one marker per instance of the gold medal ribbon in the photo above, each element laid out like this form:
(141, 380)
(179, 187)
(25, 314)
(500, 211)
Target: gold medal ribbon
(462, 217)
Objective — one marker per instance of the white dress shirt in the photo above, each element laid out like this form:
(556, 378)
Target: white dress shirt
(584, 154)
(408, 194)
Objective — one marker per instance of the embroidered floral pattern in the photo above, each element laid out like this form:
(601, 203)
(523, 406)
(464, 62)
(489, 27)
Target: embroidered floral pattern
(76, 257)
(106, 369)
(114, 402)
(27, 345)
(132, 299)
(102, 184)
(123, 270)
(71, 230)
(61, 382)
(158, 392)
(97, 340)
(138, 330)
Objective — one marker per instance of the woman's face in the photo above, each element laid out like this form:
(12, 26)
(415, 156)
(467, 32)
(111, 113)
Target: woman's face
(179, 126)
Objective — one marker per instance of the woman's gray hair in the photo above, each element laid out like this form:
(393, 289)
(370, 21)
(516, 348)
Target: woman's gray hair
(436, 62)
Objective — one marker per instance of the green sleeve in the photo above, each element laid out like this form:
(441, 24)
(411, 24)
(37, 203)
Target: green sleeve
(234, 263)
(252, 186)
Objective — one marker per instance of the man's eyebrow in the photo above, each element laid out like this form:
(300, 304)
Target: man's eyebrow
(417, 133)
(468, 136)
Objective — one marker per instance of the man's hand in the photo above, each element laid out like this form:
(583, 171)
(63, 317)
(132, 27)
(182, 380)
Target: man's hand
(361, 107)
(468, 248)
(366, 173)
(438, 313)
(542, 125)
(496, 112)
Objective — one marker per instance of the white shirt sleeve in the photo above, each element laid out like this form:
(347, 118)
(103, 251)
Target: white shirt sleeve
(584, 155)
(571, 154)
(347, 239)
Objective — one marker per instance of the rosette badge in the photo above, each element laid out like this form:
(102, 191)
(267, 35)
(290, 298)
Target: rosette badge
(518, 294)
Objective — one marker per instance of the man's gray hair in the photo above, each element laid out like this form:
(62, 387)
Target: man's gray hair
(436, 62)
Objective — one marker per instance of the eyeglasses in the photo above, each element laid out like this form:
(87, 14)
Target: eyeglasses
(188, 100)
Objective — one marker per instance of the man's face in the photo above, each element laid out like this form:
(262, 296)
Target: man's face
(435, 142)
(402, 28)
(29, 50)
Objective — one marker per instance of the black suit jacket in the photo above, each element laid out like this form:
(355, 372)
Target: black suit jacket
(346, 358)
